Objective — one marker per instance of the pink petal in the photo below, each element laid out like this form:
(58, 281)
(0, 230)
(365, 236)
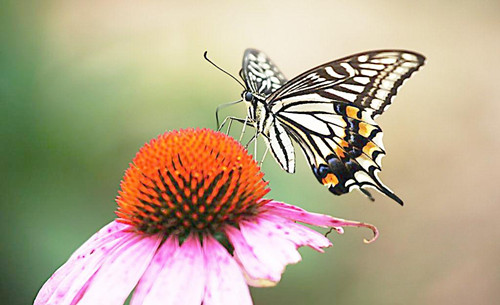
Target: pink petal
(298, 234)
(271, 251)
(225, 282)
(182, 279)
(69, 279)
(121, 271)
(297, 214)
(248, 260)
(166, 252)
(113, 230)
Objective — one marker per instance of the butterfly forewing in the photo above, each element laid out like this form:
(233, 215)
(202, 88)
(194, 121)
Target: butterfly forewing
(260, 74)
(368, 80)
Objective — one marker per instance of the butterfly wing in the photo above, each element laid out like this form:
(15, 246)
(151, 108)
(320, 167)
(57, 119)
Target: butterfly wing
(260, 74)
(329, 111)
(368, 80)
(281, 146)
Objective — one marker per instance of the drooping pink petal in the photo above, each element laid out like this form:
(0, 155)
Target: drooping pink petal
(299, 234)
(121, 271)
(162, 256)
(69, 279)
(297, 214)
(271, 250)
(182, 280)
(247, 259)
(225, 282)
(112, 230)
(72, 285)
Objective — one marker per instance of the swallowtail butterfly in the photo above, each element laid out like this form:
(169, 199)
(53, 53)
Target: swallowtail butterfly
(329, 111)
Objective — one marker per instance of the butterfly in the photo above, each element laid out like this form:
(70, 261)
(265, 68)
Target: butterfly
(329, 111)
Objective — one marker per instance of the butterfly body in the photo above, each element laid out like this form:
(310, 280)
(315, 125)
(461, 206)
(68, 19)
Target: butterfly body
(329, 111)
(256, 108)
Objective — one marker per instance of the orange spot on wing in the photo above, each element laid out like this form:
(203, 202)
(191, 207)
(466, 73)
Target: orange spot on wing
(369, 148)
(339, 152)
(365, 129)
(352, 111)
(330, 179)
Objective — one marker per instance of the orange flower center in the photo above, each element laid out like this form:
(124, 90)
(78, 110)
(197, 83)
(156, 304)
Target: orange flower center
(190, 180)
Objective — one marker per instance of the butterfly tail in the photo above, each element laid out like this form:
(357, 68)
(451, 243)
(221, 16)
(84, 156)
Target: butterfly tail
(383, 189)
(341, 176)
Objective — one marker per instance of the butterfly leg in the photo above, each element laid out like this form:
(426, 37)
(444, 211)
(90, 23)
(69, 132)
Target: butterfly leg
(219, 108)
(220, 126)
(254, 140)
(249, 142)
(266, 151)
(229, 126)
(243, 129)
(229, 120)
(264, 156)
(255, 143)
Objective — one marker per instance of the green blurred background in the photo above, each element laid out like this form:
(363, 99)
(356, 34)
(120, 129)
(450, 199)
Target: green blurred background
(83, 84)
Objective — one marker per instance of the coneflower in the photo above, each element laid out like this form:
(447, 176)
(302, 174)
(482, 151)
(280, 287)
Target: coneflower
(192, 228)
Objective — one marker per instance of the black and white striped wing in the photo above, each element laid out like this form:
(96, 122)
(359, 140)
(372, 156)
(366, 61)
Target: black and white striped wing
(260, 74)
(329, 111)
(368, 80)
(281, 146)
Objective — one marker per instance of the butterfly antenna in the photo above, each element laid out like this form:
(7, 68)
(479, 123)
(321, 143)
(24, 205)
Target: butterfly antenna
(206, 58)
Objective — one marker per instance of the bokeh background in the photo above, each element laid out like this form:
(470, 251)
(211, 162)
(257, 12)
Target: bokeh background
(83, 84)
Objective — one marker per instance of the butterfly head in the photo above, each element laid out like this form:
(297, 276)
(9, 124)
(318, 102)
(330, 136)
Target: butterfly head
(255, 104)
(252, 98)
(248, 97)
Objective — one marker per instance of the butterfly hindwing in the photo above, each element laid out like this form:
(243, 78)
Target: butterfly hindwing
(343, 152)
(281, 147)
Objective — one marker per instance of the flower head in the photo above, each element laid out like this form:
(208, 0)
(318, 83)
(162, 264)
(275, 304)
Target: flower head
(192, 228)
(190, 181)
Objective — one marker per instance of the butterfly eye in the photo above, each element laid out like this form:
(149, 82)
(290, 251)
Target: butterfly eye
(248, 96)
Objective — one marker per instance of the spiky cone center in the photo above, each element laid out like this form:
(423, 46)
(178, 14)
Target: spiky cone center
(190, 181)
